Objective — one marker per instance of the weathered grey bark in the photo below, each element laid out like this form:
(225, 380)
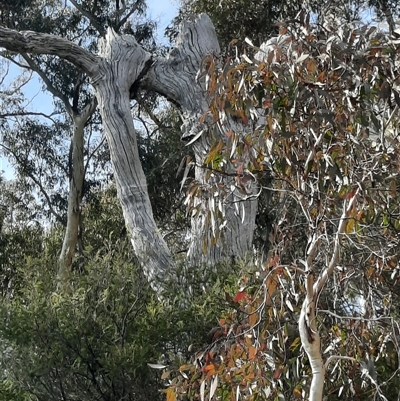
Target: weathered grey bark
(42, 43)
(121, 63)
(112, 73)
(175, 78)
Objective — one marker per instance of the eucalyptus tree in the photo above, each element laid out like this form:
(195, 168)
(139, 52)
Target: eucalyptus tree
(63, 155)
(326, 102)
(318, 110)
(235, 21)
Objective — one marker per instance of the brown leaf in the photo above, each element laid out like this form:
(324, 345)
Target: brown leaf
(385, 91)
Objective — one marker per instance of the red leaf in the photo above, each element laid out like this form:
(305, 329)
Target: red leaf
(277, 374)
(351, 193)
(239, 296)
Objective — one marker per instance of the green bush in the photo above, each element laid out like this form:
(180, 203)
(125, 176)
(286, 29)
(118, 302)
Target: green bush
(94, 340)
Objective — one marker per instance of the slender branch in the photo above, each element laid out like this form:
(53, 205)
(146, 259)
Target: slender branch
(77, 87)
(89, 109)
(327, 272)
(43, 43)
(123, 20)
(91, 18)
(47, 82)
(86, 113)
(60, 381)
(37, 182)
(4, 72)
(26, 80)
(388, 15)
(311, 155)
(338, 357)
(101, 143)
(386, 124)
(372, 319)
(311, 252)
(151, 114)
(7, 55)
(28, 113)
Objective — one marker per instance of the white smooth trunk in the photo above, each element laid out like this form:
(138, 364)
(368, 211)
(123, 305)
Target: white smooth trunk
(74, 201)
(311, 343)
(74, 216)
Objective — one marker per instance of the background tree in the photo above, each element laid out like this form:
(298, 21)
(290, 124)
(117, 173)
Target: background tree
(236, 20)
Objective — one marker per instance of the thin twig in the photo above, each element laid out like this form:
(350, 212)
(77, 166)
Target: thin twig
(338, 357)
(123, 20)
(91, 18)
(49, 85)
(29, 113)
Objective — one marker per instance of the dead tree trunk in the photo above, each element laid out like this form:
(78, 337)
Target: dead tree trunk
(121, 63)
(175, 77)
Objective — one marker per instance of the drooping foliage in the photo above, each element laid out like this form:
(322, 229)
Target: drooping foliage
(323, 102)
(234, 20)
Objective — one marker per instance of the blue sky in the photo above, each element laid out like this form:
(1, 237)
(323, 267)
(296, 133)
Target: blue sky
(163, 11)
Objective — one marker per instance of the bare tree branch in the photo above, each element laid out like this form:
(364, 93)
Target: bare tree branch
(38, 183)
(91, 18)
(49, 85)
(75, 100)
(123, 20)
(327, 272)
(388, 15)
(42, 43)
(28, 113)
(151, 114)
(339, 357)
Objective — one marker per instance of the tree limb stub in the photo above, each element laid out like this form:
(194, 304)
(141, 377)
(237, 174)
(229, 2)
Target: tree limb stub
(175, 76)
